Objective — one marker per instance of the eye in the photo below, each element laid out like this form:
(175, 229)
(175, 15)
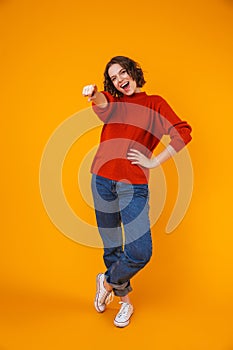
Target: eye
(123, 71)
(112, 79)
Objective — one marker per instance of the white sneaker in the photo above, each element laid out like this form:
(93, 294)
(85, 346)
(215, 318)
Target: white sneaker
(123, 316)
(103, 297)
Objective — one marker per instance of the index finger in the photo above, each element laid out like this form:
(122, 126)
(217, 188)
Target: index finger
(134, 150)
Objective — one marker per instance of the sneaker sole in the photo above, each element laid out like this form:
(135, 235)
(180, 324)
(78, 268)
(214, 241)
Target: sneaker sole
(97, 293)
(122, 324)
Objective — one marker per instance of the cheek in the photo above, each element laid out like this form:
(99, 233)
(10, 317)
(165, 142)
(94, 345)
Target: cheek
(115, 83)
(133, 82)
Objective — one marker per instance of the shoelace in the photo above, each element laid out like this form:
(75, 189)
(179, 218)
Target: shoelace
(109, 298)
(124, 309)
(106, 297)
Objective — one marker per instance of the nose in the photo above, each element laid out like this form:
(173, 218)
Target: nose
(120, 79)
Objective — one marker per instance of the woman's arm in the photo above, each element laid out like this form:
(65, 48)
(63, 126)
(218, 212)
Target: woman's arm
(91, 91)
(138, 158)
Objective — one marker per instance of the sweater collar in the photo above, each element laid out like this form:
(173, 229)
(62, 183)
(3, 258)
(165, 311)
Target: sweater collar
(135, 97)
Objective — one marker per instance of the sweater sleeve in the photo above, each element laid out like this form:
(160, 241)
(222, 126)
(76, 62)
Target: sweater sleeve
(178, 130)
(104, 114)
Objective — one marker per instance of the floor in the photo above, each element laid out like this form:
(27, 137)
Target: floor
(36, 320)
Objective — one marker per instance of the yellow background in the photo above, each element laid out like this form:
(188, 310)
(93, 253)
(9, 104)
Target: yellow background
(49, 51)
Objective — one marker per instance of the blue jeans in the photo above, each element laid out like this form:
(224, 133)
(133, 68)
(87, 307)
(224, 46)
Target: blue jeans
(126, 252)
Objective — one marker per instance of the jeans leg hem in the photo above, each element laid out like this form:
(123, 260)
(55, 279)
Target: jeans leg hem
(122, 293)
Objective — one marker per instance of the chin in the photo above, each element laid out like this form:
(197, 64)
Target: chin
(129, 93)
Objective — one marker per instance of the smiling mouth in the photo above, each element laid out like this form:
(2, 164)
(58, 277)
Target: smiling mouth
(125, 86)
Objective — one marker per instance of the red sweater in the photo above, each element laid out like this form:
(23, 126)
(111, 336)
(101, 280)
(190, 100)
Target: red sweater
(138, 121)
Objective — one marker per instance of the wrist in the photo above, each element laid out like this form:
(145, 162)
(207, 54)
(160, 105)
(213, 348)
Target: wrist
(155, 162)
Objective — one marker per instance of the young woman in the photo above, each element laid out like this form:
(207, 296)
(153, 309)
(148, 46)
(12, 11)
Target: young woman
(134, 122)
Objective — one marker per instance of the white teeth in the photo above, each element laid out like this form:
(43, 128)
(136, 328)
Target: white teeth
(122, 86)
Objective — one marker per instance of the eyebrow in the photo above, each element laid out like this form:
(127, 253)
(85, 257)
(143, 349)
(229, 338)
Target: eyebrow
(117, 73)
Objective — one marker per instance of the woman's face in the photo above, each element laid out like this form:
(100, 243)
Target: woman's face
(122, 80)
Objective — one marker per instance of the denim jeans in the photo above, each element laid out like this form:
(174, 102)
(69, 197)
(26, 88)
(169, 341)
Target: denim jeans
(126, 251)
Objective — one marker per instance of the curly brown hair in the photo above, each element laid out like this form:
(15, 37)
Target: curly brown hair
(132, 68)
